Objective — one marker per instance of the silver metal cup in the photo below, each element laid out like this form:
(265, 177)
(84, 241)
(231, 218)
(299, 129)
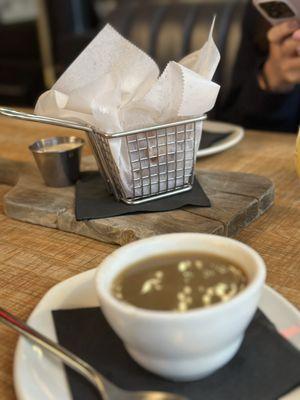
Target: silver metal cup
(59, 165)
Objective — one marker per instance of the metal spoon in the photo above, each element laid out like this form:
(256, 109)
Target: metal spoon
(106, 389)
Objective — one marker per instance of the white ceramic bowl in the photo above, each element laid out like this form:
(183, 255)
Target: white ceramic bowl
(190, 345)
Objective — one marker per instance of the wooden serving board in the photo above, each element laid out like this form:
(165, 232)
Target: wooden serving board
(237, 199)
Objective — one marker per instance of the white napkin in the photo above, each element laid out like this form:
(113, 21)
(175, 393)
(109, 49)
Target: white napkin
(114, 86)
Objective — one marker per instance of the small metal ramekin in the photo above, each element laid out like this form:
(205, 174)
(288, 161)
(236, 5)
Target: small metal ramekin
(58, 168)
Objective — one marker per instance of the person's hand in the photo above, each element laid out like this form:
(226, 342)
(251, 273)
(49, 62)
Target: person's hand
(282, 68)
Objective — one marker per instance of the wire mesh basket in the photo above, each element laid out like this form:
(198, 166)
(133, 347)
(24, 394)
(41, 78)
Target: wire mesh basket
(140, 165)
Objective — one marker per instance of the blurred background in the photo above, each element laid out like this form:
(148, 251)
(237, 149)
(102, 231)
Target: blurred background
(39, 38)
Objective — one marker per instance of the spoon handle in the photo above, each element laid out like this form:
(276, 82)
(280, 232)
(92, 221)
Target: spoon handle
(60, 352)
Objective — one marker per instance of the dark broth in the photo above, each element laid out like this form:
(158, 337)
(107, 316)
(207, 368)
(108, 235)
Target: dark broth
(179, 282)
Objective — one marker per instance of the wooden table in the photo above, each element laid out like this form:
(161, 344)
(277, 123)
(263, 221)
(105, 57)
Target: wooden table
(33, 258)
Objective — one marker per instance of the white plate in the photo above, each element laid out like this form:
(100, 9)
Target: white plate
(38, 377)
(220, 127)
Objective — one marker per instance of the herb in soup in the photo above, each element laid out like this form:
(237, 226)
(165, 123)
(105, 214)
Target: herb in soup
(179, 282)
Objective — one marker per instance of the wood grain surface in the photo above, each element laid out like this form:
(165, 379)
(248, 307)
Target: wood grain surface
(34, 258)
(236, 200)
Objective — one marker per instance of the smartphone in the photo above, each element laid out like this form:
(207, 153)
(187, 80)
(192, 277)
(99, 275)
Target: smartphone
(277, 11)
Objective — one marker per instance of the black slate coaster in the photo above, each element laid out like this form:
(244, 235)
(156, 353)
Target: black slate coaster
(92, 200)
(265, 368)
(209, 138)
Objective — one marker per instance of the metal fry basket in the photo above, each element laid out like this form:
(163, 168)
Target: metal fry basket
(140, 165)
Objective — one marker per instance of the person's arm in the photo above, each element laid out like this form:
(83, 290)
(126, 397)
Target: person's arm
(250, 102)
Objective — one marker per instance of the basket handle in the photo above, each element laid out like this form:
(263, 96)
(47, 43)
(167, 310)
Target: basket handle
(44, 120)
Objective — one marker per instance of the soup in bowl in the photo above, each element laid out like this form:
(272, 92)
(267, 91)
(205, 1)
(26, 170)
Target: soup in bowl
(181, 302)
